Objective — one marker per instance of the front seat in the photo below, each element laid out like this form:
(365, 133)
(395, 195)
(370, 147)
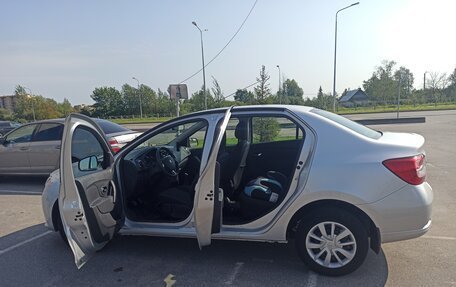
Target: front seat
(232, 164)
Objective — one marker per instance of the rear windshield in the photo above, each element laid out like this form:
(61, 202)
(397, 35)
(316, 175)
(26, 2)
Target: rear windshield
(111, 128)
(354, 126)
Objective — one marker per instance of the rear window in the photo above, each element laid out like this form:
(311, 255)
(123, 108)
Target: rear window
(354, 126)
(111, 128)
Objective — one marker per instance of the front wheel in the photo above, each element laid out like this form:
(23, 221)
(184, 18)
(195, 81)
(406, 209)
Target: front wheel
(332, 242)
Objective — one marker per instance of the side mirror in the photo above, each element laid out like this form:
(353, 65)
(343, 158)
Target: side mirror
(194, 142)
(89, 163)
(2, 140)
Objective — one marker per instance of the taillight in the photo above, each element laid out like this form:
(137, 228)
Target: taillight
(114, 145)
(410, 169)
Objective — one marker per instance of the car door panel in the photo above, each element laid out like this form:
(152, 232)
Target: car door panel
(207, 191)
(14, 157)
(44, 151)
(87, 197)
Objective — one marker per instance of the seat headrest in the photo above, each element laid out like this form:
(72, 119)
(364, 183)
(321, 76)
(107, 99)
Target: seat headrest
(241, 131)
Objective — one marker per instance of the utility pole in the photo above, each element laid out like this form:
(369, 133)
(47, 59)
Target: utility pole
(140, 100)
(399, 94)
(335, 56)
(204, 68)
(280, 87)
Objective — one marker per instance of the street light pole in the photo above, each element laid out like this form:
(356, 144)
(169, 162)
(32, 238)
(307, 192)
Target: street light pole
(424, 82)
(399, 94)
(204, 68)
(33, 105)
(140, 100)
(280, 86)
(335, 55)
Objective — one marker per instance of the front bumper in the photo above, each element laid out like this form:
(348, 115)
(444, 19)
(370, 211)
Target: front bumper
(404, 214)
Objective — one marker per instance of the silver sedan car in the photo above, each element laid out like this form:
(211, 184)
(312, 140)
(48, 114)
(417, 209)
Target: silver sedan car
(256, 173)
(35, 148)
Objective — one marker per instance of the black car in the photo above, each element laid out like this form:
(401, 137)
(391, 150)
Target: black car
(6, 126)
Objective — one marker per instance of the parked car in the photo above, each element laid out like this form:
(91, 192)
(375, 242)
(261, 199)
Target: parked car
(6, 126)
(267, 173)
(35, 148)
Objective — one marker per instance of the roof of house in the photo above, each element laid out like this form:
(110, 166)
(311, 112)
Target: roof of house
(349, 95)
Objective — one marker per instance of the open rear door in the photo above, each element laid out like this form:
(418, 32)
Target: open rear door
(87, 198)
(209, 197)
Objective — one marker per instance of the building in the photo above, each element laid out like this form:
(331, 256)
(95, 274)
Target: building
(8, 102)
(354, 98)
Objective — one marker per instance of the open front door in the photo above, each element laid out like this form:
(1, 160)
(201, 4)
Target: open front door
(87, 198)
(209, 197)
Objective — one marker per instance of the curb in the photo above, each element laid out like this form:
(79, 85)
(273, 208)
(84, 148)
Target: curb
(415, 120)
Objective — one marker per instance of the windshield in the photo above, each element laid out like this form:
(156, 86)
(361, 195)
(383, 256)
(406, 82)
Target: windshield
(354, 126)
(111, 128)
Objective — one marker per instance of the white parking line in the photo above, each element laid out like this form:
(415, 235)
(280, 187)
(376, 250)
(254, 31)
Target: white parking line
(234, 274)
(20, 192)
(439, 237)
(24, 242)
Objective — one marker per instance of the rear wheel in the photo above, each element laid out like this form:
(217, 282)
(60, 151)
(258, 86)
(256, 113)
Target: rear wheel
(332, 242)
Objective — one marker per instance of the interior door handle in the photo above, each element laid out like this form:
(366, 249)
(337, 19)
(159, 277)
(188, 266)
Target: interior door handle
(104, 191)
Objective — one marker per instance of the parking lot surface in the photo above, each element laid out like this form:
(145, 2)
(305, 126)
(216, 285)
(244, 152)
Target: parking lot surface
(32, 256)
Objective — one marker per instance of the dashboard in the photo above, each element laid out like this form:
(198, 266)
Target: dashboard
(140, 166)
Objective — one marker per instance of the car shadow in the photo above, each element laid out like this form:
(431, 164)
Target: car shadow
(16, 184)
(147, 261)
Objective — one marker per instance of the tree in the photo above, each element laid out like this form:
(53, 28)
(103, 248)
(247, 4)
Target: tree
(262, 90)
(108, 102)
(265, 129)
(149, 100)
(65, 108)
(291, 93)
(437, 83)
(382, 87)
(217, 92)
(6, 115)
(451, 89)
(244, 96)
(196, 102)
(405, 78)
(130, 97)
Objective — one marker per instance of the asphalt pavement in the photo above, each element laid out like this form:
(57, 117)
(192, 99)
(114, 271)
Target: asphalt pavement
(30, 255)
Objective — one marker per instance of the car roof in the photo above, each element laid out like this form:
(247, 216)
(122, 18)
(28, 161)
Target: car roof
(253, 108)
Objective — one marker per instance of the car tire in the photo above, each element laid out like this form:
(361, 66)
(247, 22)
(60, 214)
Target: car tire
(333, 234)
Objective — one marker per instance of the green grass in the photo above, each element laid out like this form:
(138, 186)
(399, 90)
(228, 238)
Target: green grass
(393, 108)
(341, 110)
(141, 121)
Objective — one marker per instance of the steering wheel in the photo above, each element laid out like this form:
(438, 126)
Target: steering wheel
(167, 161)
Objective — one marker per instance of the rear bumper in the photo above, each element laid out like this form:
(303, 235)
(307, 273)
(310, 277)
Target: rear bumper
(404, 235)
(404, 214)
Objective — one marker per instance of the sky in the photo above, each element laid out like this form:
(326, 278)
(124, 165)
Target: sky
(65, 49)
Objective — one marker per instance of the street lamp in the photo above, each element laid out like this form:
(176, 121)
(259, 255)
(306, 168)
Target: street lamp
(204, 71)
(335, 53)
(140, 100)
(280, 95)
(33, 106)
(424, 81)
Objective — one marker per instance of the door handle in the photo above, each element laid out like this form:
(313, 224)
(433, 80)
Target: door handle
(104, 191)
(258, 154)
(24, 148)
(57, 147)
